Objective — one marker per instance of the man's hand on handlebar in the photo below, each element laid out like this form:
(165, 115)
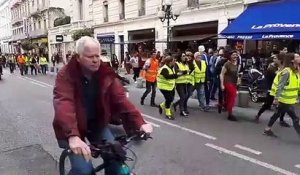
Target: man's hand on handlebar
(147, 128)
(79, 147)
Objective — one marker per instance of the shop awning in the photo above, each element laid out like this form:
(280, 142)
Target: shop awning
(266, 21)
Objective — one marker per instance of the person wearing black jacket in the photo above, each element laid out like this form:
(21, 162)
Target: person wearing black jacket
(182, 84)
(270, 75)
(33, 65)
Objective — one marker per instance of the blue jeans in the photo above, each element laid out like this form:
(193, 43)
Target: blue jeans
(79, 166)
(200, 94)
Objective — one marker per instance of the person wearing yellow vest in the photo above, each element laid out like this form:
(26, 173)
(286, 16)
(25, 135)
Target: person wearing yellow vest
(166, 84)
(151, 67)
(271, 80)
(287, 93)
(182, 84)
(21, 63)
(199, 74)
(43, 63)
(27, 63)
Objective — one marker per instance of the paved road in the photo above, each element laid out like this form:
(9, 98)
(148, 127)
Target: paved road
(203, 144)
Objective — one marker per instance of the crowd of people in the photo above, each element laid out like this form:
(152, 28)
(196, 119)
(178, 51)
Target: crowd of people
(27, 63)
(217, 75)
(205, 72)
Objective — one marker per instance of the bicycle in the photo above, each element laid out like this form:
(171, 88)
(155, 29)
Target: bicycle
(109, 152)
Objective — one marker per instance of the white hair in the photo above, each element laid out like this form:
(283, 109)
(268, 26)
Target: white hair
(81, 43)
(201, 48)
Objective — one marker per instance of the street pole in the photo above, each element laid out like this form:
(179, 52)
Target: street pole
(168, 34)
(167, 14)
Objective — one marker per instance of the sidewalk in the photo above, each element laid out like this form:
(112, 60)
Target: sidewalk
(29, 160)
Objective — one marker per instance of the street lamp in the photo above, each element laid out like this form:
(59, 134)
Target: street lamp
(167, 14)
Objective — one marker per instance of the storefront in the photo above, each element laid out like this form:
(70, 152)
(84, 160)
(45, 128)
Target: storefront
(40, 45)
(276, 25)
(143, 39)
(107, 41)
(191, 36)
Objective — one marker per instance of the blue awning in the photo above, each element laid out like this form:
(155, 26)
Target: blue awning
(266, 21)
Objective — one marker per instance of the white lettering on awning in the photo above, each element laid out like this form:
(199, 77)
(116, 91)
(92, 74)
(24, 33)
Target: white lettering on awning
(277, 25)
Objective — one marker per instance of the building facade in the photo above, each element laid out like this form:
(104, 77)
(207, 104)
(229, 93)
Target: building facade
(31, 20)
(125, 25)
(60, 37)
(5, 27)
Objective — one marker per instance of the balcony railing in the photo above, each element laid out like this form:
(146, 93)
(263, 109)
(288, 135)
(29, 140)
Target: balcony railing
(37, 33)
(81, 24)
(18, 37)
(142, 11)
(17, 19)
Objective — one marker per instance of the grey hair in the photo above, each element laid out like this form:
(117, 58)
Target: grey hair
(80, 44)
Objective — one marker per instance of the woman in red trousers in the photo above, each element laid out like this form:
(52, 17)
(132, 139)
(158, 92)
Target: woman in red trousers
(229, 79)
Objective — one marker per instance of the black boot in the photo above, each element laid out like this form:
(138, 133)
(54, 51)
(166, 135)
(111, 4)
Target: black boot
(153, 104)
(142, 101)
(232, 118)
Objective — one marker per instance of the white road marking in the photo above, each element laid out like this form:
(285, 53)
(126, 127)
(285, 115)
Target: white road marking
(180, 127)
(297, 166)
(37, 84)
(45, 84)
(248, 149)
(252, 160)
(153, 124)
(21, 78)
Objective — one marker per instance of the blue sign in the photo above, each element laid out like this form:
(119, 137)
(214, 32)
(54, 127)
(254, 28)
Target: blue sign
(108, 39)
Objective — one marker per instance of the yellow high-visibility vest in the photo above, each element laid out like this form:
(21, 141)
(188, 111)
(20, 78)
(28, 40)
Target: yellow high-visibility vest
(290, 92)
(199, 75)
(162, 82)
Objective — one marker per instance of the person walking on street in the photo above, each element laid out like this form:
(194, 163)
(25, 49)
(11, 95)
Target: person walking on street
(199, 74)
(273, 72)
(208, 77)
(127, 63)
(287, 93)
(21, 62)
(229, 79)
(12, 63)
(151, 67)
(182, 84)
(166, 84)
(135, 66)
(33, 65)
(27, 63)
(43, 62)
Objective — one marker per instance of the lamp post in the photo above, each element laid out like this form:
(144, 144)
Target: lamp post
(167, 14)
